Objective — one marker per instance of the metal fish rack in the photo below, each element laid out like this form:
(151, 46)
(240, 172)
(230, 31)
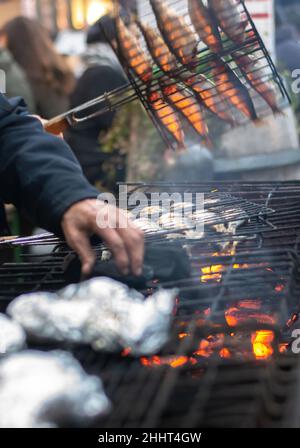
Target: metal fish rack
(204, 65)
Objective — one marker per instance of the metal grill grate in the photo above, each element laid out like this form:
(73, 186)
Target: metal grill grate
(226, 362)
(228, 83)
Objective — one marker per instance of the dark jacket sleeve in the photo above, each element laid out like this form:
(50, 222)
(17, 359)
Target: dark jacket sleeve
(37, 171)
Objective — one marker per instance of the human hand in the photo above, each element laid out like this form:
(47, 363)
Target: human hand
(122, 237)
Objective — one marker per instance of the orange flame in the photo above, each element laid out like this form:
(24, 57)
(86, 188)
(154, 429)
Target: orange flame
(262, 344)
(235, 316)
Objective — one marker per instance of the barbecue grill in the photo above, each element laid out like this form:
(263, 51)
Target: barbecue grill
(202, 66)
(228, 361)
(205, 72)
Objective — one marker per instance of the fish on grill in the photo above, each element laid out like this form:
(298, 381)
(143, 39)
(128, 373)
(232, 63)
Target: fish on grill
(12, 336)
(230, 18)
(188, 107)
(209, 96)
(48, 390)
(159, 50)
(132, 55)
(229, 86)
(101, 312)
(173, 220)
(205, 25)
(203, 91)
(255, 74)
(178, 35)
(166, 115)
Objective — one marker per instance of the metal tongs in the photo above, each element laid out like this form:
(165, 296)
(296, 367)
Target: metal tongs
(105, 103)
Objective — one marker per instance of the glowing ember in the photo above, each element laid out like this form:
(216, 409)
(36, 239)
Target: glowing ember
(212, 273)
(171, 361)
(279, 288)
(283, 347)
(225, 353)
(250, 304)
(126, 351)
(292, 320)
(209, 345)
(182, 335)
(262, 344)
(235, 316)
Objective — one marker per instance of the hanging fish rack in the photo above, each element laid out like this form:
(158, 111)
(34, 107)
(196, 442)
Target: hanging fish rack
(187, 86)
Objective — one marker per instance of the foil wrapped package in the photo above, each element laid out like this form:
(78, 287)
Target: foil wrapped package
(12, 336)
(48, 389)
(101, 312)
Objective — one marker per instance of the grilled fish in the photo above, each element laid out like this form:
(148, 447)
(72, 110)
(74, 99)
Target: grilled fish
(132, 54)
(177, 34)
(209, 97)
(187, 106)
(254, 73)
(166, 115)
(229, 86)
(159, 50)
(230, 18)
(205, 25)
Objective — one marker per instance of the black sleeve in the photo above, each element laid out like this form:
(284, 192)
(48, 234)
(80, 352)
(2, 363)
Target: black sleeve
(37, 170)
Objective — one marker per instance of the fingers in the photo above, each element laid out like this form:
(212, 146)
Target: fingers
(122, 237)
(79, 242)
(133, 239)
(125, 240)
(118, 248)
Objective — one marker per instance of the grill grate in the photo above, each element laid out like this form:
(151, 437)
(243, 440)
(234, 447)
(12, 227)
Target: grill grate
(162, 89)
(227, 362)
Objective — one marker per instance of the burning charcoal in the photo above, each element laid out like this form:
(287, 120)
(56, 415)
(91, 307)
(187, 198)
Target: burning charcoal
(39, 389)
(101, 312)
(12, 336)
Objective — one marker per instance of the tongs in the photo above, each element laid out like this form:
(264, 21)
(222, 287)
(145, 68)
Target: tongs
(107, 102)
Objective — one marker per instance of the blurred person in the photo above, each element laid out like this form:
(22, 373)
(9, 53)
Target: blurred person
(39, 173)
(103, 73)
(288, 47)
(50, 77)
(16, 81)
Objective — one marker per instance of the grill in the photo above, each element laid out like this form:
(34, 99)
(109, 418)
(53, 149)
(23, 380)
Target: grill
(198, 72)
(187, 84)
(228, 361)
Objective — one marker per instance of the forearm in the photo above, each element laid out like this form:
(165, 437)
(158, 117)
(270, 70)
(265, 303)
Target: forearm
(38, 171)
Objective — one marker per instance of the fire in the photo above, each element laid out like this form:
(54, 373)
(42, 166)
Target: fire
(214, 272)
(262, 344)
(225, 353)
(283, 347)
(279, 288)
(238, 315)
(172, 361)
(209, 345)
(182, 335)
(292, 320)
(126, 352)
